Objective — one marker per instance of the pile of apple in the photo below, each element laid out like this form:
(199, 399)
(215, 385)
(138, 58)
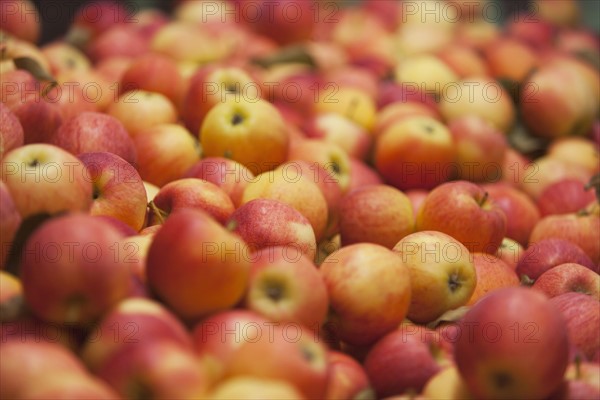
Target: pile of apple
(294, 199)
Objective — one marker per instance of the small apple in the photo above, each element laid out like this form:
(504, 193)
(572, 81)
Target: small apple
(517, 345)
(381, 276)
(11, 131)
(466, 212)
(436, 260)
(569, 277)
(564, 197)
(43, 178)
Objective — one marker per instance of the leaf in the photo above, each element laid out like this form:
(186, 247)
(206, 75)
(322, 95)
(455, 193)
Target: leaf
(449, 316)
(34, 68)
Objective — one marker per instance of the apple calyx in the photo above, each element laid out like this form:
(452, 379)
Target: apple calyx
(454, 282)
(75, 305)
(365, 394)
(12, 309)
(138, 390)
(578, 362)
(526, 280)
(157, 212)
(501, 380)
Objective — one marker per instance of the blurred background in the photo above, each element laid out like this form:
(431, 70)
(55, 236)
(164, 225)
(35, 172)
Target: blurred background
(57, 24)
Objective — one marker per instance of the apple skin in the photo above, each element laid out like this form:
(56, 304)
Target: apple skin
(347, 379)
(165, 153)
(582, 229)
(191, 193)
(10, 222)
(545, 254)
(480, 148)
(246, 387)
(118, 190)
(163, 369)
(66, 282)
(510, 59)
(391, 92)
(285, 286)
(415, 153)
(398, 110)
(582, 315)
(464, 60)
(132, 322)
(521, 212)
(11, 298)
(237, 130)
(21, 19)
(211, 278)
(381, 276)
(538, 35)
(229, 175)
(340, 130)
(361, 174)
(577, 150)
(447, 384)
(11, 131)
(377, 214)
(263, 223)
(506, 365)
(464, 211)
(569, 277)
(416, 197)
(68, 384)
(289, 185)
(582, 381)
(118, 40)
(428, 71)
(401, 362)
(43, 178)
(94, 132)
(564, 197)
(452, 275)
(492, 274)
(62, 56)
(305, 366)
(511, 252)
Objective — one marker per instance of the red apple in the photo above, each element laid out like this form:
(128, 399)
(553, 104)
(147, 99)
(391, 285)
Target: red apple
(464, 60)
(263, 223)
(582, 315)
(43, 178)
(92, 19)
(118, 190)
(285, 286)
(247, 387)
(466, 212)
(196, 283)
(118, 40)
(564, 197)
(70, 271)
(11, 131)
(348, 379)
(514, 344)
(384, 281)
(337, 129)
(510, 60)
(165, 153)
(68, 384)
(377, 214)
(190, 193)
(21, 18)
(546, 254)
(63, 56)
(95, 132)
(569, 277)
(10, 221)
(362, 174)
(521, 212)
(492, 274)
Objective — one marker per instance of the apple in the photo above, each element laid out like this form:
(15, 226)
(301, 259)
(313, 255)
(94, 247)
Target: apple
(517, 345)
(384, 281)
(564, 197)
(98, 90)
(543, 255)
(560, 13)
(72, 99)
(11, 298)
(305, 365)
(165, 153)
(543, 99)
(63, 56)
(510, 60)
(11, 131)
(68, 384)
(95, 132)
(92, 19)
(582, 315)
(400, 109)
(155, 73)
(517, 168)
(415, 153)
(212, 85)
(480, 148)
(140, 110)
(436, 260)
(447, 384)
(43, 178)
(581, 382)
(218, 337)
(481, 96)
(21, 18)
(112, 69)
(118, 40)
(362, 174)
(285, 286)
(70, 271)
(251, 133)
(492, 274)
(478, 33)
(416, 197)
(351, 102)
(118, 190)
(246, 387)
(289, 185)
(427, 71)
(463, 60)
(262, 223)
(347, 378)
(10, 219)
(377, 214)
(162, 369)
(402, 362)
(576, 150)
(538, 34)
(521, 212)
(511, 252)
(466, 212)
(583, 229)
(132, 322)
(569, 277)
(190, 193)
(195, 283)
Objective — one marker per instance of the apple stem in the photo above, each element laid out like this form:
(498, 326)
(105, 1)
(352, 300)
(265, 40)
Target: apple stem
(483, 199)
(157, 212)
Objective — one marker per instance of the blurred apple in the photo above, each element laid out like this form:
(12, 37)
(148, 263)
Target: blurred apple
(10, 219)
(118, 40)
(11, 131)
(253, 388)
(464, 60)
(362, 174)
(510, 60)
(576, 150)
(447, 384)
(564, 197)
(63, 56)
(21, 18)
(427, 71)
(547, 170)
(351, 102)
(347, 378)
